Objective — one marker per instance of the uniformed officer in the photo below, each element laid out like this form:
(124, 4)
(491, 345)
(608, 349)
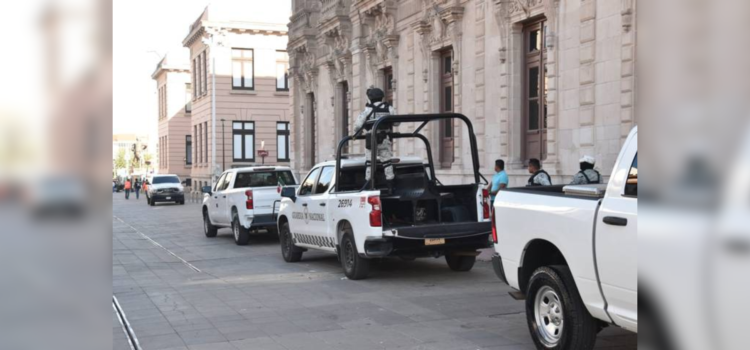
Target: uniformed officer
(375, 109)
(587, 175)
(538, 177)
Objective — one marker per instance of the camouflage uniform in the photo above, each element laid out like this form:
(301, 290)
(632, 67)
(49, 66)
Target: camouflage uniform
(385, 150)
(580, 178)
(540, 178)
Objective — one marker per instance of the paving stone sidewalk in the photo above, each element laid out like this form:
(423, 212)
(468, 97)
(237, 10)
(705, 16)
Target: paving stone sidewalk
(193, 292)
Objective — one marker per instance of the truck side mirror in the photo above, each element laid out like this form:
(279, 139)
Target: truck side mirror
(206, 189)
(289, 192)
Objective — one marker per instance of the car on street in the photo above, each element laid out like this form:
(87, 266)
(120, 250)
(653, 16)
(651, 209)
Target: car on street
(571, 252)
(245, 199)
(164, 188)
(337, 210)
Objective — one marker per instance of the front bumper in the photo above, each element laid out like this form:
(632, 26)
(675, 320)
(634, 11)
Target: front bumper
(497, 265)
(162, 197)
(396, 246)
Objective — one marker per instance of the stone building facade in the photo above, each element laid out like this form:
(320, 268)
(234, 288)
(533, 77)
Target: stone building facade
(173, 153)
(248, 48)
(549, 79)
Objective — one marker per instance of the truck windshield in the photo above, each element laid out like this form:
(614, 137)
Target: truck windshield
(166, 180)
(264, 179)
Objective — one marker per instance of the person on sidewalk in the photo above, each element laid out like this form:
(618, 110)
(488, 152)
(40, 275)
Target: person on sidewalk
(538, 177)
(499, 180)
(114, 186)
(128, 186)
(137, 188)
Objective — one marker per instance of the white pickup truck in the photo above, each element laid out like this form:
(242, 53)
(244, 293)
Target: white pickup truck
(245, 199)
(337, 210)
(572, 252)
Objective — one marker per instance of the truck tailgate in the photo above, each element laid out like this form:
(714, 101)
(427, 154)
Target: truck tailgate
(264, 198)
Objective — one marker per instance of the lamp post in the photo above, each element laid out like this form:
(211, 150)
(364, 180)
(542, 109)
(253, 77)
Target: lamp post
(223, 147)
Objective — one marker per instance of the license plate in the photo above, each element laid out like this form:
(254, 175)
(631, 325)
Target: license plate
(168, 198)
(434, 241)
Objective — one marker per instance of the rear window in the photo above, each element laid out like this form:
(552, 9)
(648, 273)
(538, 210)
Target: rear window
(264, 179)
(166, 180)
(353, 178)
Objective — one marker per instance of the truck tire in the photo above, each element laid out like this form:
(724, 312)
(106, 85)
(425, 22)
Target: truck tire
(555, 313)
(460, 263)
(241, 234)
(289, 252)
(355, 266)
(208, 228)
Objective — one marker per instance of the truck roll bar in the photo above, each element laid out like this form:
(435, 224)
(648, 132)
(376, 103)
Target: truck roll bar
(409, 118)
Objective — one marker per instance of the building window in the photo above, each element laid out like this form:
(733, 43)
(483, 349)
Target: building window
(188, 150)
(242, 69)
(188, 102)
(243, 141)
(535, 91)
(282, 141)
(200, 143)
(205, 142)
(195, 151)
(196, 83)
(204, 70)
(446, 106)
(388, 84)
(282, 71)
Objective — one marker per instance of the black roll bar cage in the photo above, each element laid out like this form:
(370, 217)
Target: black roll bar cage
(408, 118)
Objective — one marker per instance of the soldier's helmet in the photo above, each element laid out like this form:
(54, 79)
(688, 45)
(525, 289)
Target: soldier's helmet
(375, 94)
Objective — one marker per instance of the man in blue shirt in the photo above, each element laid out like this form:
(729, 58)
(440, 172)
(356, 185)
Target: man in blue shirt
(499, 181)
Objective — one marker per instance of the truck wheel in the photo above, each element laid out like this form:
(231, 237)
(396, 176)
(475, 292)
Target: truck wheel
(241, 234)
(460, 263)
(288, 250)
(208, 228)
(355, 266)
(555, 313)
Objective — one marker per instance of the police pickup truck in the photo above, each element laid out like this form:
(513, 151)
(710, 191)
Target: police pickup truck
(336, 209)
(572, 252)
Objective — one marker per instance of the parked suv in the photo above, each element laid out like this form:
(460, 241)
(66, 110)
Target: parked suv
(245, 199)
(165, 188)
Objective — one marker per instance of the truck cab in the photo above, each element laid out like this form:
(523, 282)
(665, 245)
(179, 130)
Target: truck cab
(336, 209)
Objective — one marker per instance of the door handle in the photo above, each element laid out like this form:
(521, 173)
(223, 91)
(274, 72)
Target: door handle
(616, 221)
(322, 204)
(304, 204)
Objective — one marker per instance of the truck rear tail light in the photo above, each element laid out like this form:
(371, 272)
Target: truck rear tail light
(486, 203)
(249, 200)
(494, 228)
(376, 213)
(278, 189)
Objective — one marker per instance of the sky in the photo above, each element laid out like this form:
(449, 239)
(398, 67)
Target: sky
(143, 32)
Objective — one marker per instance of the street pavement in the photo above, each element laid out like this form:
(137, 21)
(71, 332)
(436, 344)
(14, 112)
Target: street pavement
(181, 290)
